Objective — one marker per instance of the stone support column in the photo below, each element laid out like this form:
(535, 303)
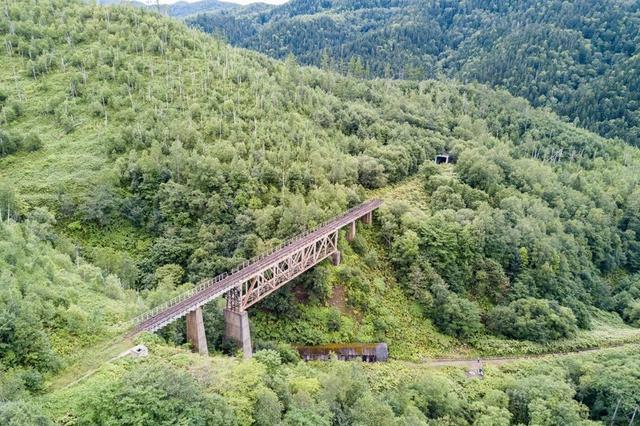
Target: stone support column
(236, 328)
(195, 332)
(351, 231)
(335, 258)
(367, 218)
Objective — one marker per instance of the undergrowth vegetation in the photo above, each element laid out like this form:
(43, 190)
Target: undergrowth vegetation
(52, 303)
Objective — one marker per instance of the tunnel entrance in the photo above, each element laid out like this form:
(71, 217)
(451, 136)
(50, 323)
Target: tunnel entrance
(443, 159)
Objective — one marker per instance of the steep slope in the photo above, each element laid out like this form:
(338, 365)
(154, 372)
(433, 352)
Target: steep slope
(138, 156)
(53, 304)
(578, 58)
(168, 157)
(182, 9)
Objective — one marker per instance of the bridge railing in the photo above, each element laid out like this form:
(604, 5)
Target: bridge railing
(210, 282)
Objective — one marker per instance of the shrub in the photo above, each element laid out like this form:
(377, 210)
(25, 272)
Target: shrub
(428, 169)
(31, 143)
(120, 263)
(12, 111)
(446, 197)
(453, 314)
(334, 320)
(632, 314)
(435, 397)
(168, 395)
(533, 319)
(269, 358)
(22, 413)
(371, 172)
(581, 311)
(287, 353)
(268, 408)
(9, 143)
(100, 207)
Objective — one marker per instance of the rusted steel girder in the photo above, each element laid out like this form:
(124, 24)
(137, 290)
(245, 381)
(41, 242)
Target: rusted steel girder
(281, 272)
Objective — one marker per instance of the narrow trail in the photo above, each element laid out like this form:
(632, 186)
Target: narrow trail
(91, 362)
(497, 361)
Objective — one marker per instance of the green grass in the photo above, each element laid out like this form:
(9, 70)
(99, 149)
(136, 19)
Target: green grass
(121, 236)
(410, 191)
(89, 361)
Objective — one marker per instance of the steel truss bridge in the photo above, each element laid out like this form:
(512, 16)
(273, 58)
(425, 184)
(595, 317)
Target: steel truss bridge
(259, 277)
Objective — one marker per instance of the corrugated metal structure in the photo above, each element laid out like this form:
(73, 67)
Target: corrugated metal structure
(367, 352)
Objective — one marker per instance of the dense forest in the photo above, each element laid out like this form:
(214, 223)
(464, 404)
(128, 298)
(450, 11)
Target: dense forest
(180, 9)
(138, 157)
(578, 58)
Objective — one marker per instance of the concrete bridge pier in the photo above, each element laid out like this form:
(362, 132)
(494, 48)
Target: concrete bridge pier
(335, 258)
(195, 332)
(236, 328)
(351, 231)
(367, 219)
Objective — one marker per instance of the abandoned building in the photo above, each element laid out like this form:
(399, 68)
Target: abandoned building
(367, 352)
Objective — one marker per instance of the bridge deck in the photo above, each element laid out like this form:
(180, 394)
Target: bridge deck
(214, 288)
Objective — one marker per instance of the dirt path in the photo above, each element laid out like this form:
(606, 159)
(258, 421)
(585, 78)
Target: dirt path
(496, 361)
(90, 363)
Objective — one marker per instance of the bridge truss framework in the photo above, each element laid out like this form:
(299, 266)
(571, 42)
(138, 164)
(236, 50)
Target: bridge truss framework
(281, 272)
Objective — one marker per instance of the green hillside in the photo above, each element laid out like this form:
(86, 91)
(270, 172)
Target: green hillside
(53, 302)
(179, 9)
(169, 157)
(182, 9)
(578, 58)
(138, 156)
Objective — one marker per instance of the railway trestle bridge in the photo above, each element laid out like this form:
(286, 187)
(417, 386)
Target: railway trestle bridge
(254, 280)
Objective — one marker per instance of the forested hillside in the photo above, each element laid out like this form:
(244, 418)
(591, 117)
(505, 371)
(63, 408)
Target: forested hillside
(578, 58)
(169, 157)
(138, 156)
(180, 9)
(176, 387)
